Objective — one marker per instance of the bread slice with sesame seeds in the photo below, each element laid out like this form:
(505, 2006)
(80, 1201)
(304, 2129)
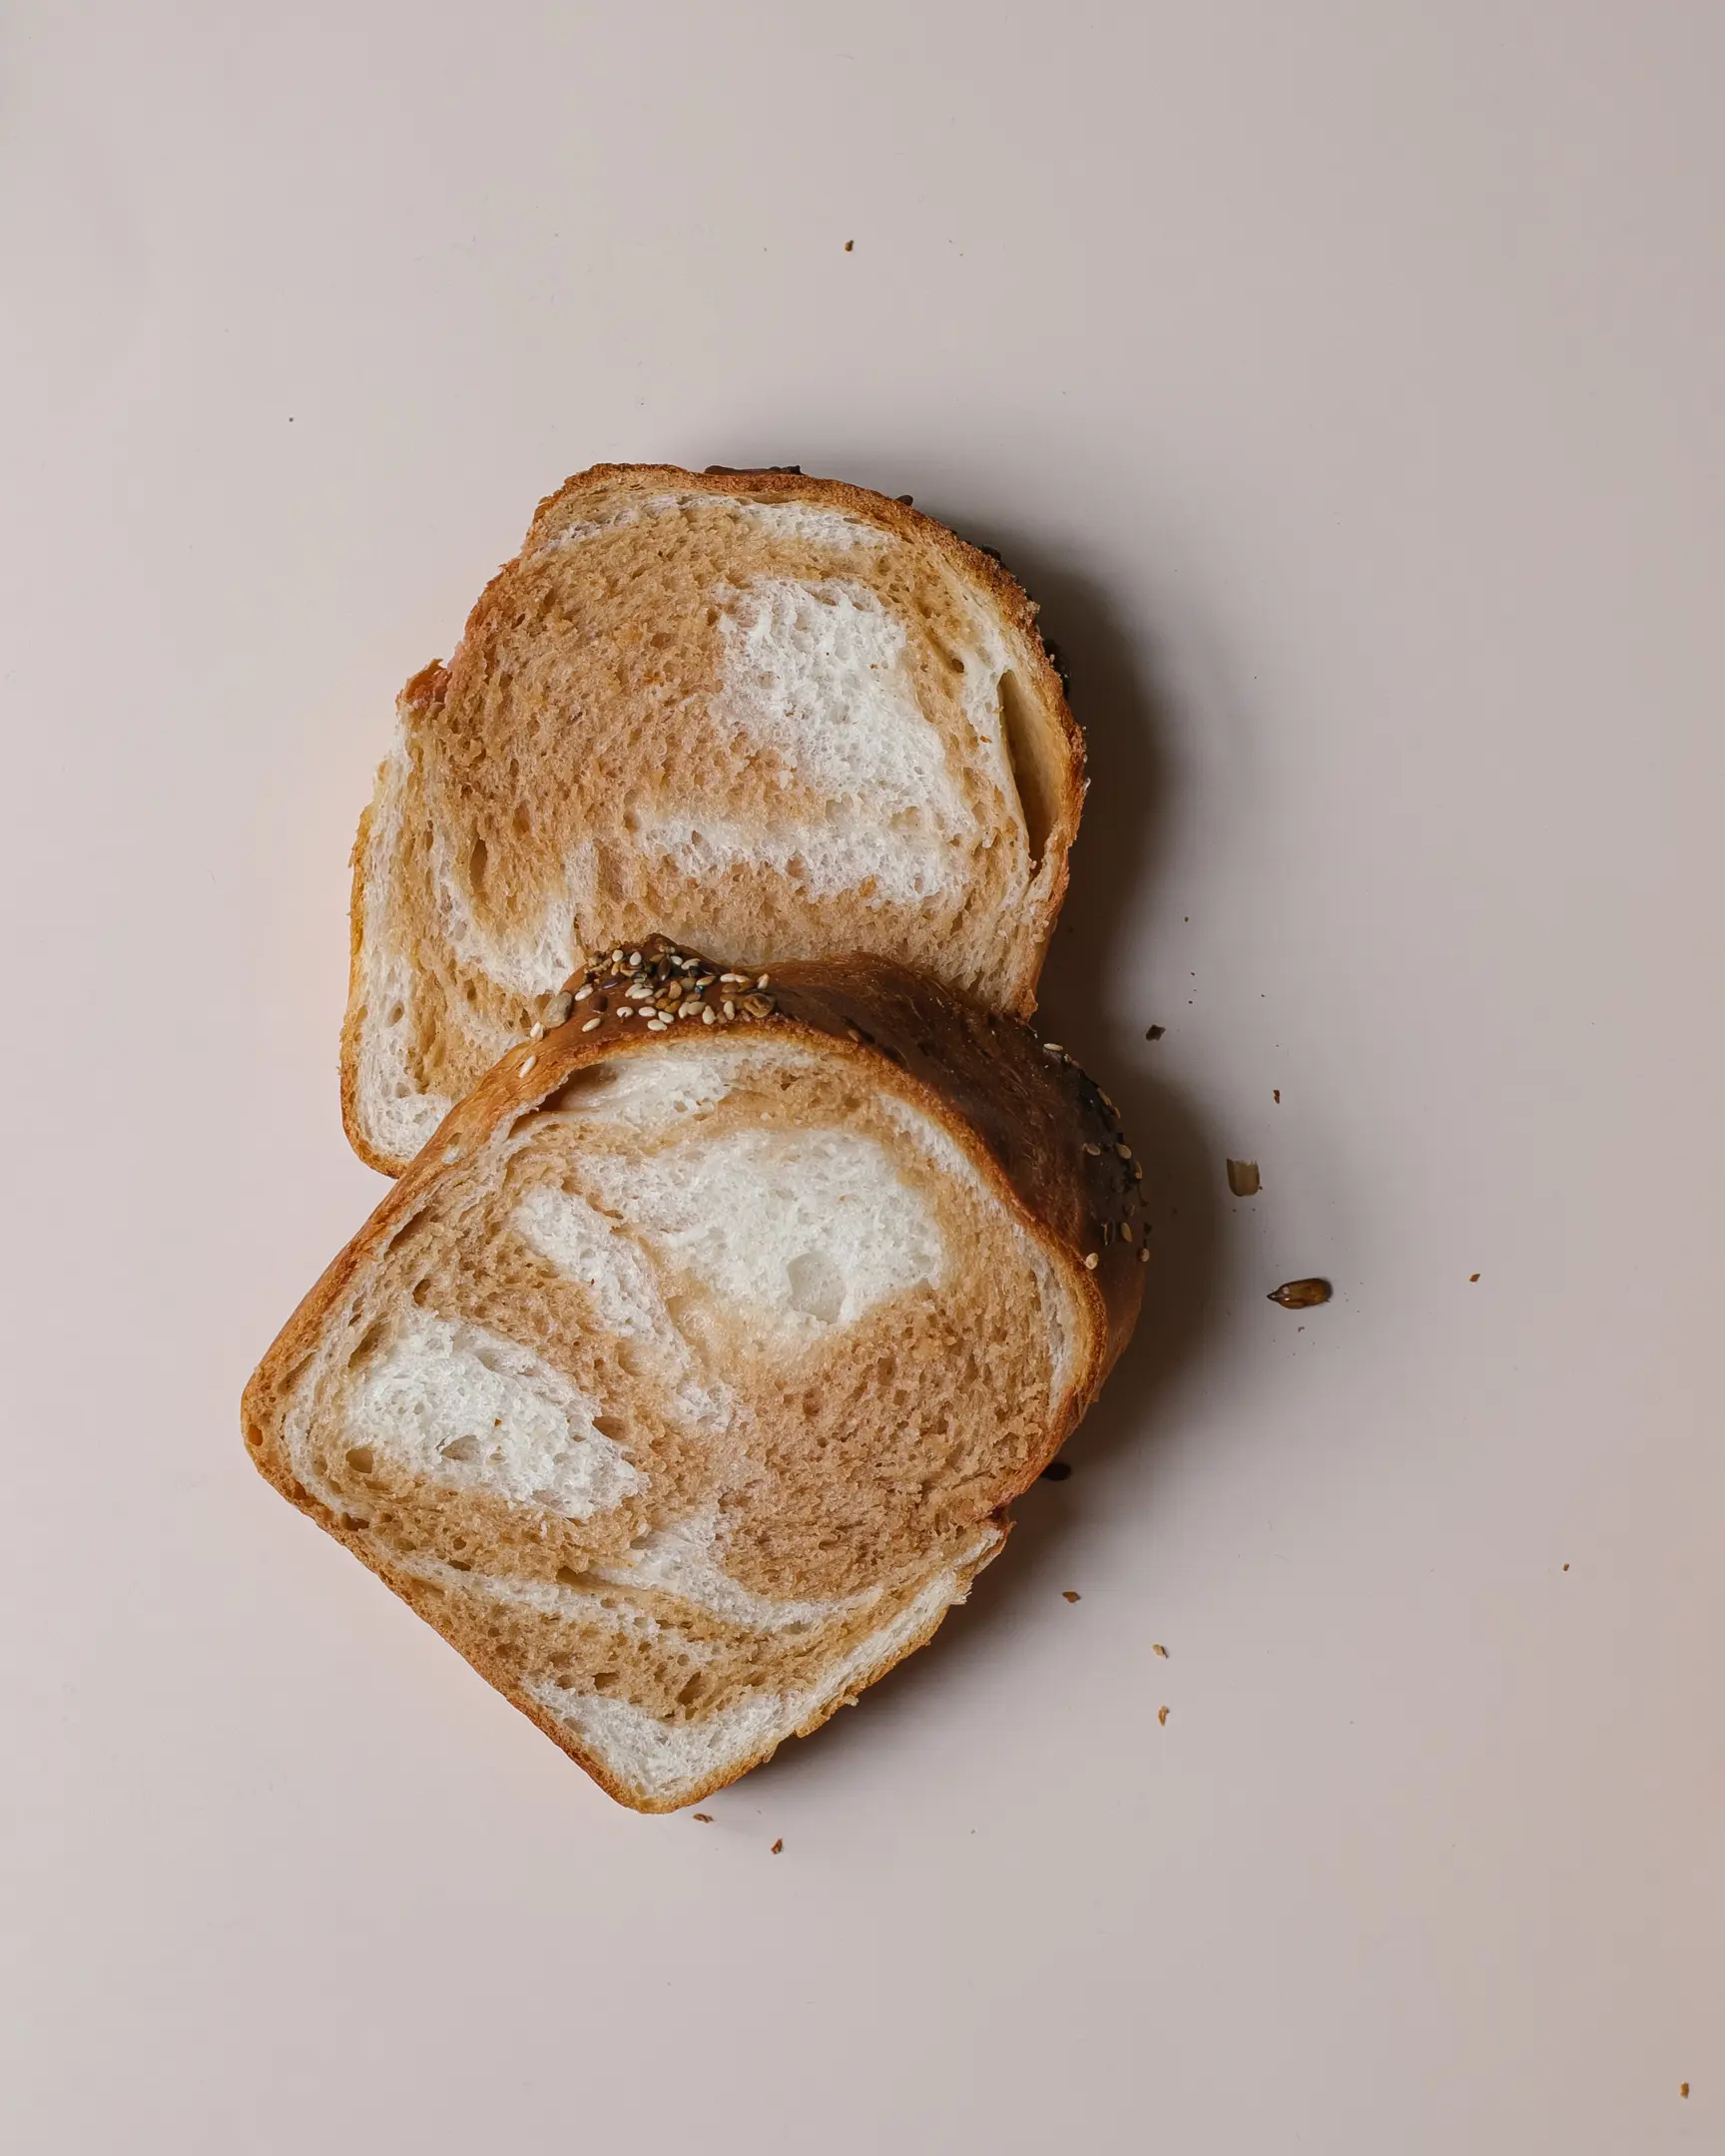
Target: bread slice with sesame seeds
(684, 1380)
(783, 717)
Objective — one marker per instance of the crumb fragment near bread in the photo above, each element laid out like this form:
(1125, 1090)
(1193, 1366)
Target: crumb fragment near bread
(1162, 1715)
(1243, 1177)
(778, 1847)
(1301, 1293)
(1157, 1648)
(1070, 1594)
(1155, 1032)
(705, 1818)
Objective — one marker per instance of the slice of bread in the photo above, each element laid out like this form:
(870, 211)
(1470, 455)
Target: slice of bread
(778, 716)
(684, 1379)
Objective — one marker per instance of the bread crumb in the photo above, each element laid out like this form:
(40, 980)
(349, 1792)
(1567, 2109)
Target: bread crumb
(1565, 1568)
(1057, 1471)
(1156, 1647)
(1243, 1177)
(850, 247)
(1301, 1293)
(1275, 1095)
(1473, 1275)
(1162, 1714)
(705, 1818)
(1155, 1032)
(1070, 1594)
(1682, 2088)
(778, 1846)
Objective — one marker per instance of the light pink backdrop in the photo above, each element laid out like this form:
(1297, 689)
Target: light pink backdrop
(1346, 381)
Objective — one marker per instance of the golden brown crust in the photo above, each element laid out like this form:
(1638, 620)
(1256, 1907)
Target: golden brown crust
(354, 1017)
(1026, 1118)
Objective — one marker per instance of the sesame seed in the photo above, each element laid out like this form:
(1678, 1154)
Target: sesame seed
(452, 1154)
(1052, 1048)
(536, 1031)
(730, 1008)
(733, 976)
(1091, 1261)
(1125, 1230)
(634, 957)
(852, 1033)
(1124, 1150)
(757, 1006)
(1144, 1254)
(1095, 1151)
(708, 1015)
(527, 1063)
(591, 1023)
(581, 994)
(761, 982)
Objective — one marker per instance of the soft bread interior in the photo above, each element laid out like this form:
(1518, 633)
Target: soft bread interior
(772, 727)
(688, 1402)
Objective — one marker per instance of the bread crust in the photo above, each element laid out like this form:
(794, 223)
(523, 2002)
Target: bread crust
(1061, 774)
(1039, 1131)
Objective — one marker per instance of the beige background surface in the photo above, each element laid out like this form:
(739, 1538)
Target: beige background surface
(1346, 380)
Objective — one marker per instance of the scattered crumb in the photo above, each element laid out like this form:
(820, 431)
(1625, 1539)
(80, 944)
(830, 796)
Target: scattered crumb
(1565, 1568)
(1301, 1293)
(909, 501)
(1069, 1594)
(1057, 1471)
(1473, 1275)
(778, 1846)
(1156, 1647)
(1243, 1177)
(705, 1818)
(849, 246)
(1275, 1095)
(1155, 1032)
(1162, 1714)
(1682, 2088)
